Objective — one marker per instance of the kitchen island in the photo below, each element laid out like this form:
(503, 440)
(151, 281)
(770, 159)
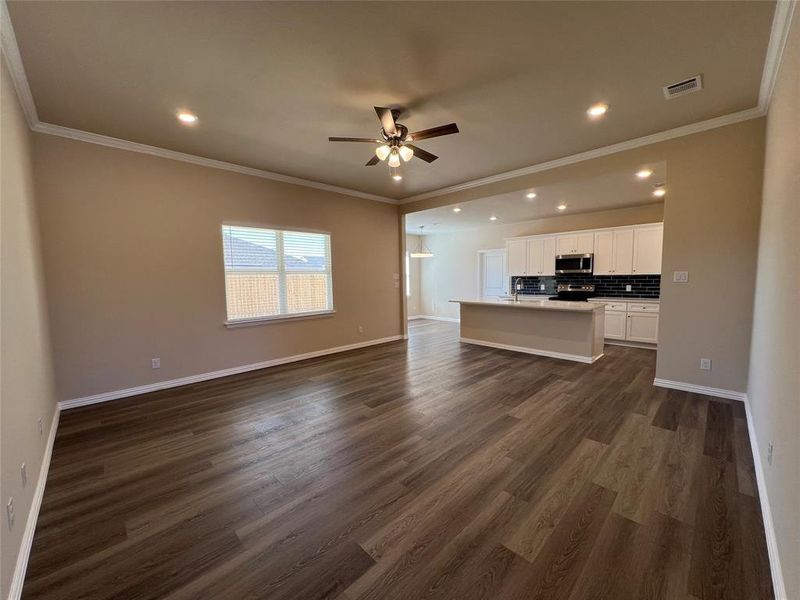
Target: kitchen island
(558, 329)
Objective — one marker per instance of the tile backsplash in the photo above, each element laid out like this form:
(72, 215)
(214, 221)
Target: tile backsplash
(642, 286)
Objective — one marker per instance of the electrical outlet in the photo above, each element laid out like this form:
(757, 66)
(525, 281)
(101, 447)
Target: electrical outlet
(541, 287)
(155, 363)
(10, 513)
(705, 364)
(769, 454)
(40, 426)
(360, 329)
(23, 473)
(628, 288)
(680, 276)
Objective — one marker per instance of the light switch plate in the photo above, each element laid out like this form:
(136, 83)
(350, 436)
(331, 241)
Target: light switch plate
(705, 364)
(680, 276)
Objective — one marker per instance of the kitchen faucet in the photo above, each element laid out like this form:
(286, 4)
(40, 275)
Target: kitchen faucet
(514, 283)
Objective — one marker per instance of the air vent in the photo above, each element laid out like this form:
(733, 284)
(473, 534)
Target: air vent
(687, 86)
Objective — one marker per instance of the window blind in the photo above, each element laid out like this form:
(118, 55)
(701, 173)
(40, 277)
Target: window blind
(271, 273)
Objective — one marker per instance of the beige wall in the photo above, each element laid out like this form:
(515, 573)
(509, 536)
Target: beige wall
(774, 386)
(133, 262)
(413, 302)
(711, 217)
(452, 272)
(26, 383)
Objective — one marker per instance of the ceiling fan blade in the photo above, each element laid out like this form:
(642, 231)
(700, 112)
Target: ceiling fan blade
(435, 132)
(349, 139)
(387, 120)
(373, 161)
(423, 154)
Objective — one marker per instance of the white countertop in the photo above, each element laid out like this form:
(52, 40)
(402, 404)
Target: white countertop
(534, 303)
(623, 299)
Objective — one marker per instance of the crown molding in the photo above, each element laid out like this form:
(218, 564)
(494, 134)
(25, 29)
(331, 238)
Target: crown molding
(781, 23)
(729, 119)
(16, 68)
(11, 51)
(779, 33)
(112, 142)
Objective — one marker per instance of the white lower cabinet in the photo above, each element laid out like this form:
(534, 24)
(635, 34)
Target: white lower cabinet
(615, 325)
(642, 327)
(635, 321)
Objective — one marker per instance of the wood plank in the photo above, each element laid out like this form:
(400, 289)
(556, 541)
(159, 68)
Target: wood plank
(419, 469)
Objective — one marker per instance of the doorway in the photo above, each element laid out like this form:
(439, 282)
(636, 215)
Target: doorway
(492, 280)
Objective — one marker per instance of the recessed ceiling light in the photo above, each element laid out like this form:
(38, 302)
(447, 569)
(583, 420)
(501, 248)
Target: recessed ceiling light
(456, 209)
(562, 207)
(597, 110)
(493, 218)
(187, 117)
(530, 195)
(397, 177)
(644, 173)
(659, 192)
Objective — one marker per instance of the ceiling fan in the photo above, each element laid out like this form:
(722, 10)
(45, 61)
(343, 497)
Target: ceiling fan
(394, 142)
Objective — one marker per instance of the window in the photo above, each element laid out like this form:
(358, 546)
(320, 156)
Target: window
(272, 274)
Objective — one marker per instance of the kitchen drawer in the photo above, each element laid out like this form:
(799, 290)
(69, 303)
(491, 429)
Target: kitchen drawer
(616, 306)
(643, 307)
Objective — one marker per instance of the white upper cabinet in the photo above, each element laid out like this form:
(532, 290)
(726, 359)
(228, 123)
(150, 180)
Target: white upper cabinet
(585, 243)
(623, 251)
(517, 256)
(548, 256)
(617, 251)
(541, 256)
(604, 253)
(575, 243)
(613, 252)
(647, 243)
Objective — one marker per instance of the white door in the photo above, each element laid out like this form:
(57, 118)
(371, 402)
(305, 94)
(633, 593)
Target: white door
(642, 327)
(517, 257)
(493, 276)
(604, 253)
(623, 252)
(647, 243)
(615, 325)
(535, 256)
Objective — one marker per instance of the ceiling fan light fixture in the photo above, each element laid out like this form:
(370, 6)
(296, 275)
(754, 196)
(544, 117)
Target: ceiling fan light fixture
(382, 152)
(394, 159)
(406, 153)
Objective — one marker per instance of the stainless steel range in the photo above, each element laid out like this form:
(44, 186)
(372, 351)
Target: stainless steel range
(573, 292)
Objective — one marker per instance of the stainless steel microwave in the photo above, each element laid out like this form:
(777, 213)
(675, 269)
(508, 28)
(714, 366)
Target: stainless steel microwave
(574, 263)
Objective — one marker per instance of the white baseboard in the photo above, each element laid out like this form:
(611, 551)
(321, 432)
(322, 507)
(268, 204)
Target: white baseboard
(18, 579)
(766, 512)
(700, 389)
(627, 344)
(163, 385)
(547, 353)
(434, 318)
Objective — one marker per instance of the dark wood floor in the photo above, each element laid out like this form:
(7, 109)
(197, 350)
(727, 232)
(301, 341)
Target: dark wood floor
(427, 469)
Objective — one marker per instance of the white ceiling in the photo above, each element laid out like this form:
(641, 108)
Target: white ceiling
(271, 81)
(612, 190)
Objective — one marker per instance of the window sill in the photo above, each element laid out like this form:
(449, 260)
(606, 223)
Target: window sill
(278, 318)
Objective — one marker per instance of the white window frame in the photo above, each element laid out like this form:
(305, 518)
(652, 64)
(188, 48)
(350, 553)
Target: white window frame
(233, 323)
